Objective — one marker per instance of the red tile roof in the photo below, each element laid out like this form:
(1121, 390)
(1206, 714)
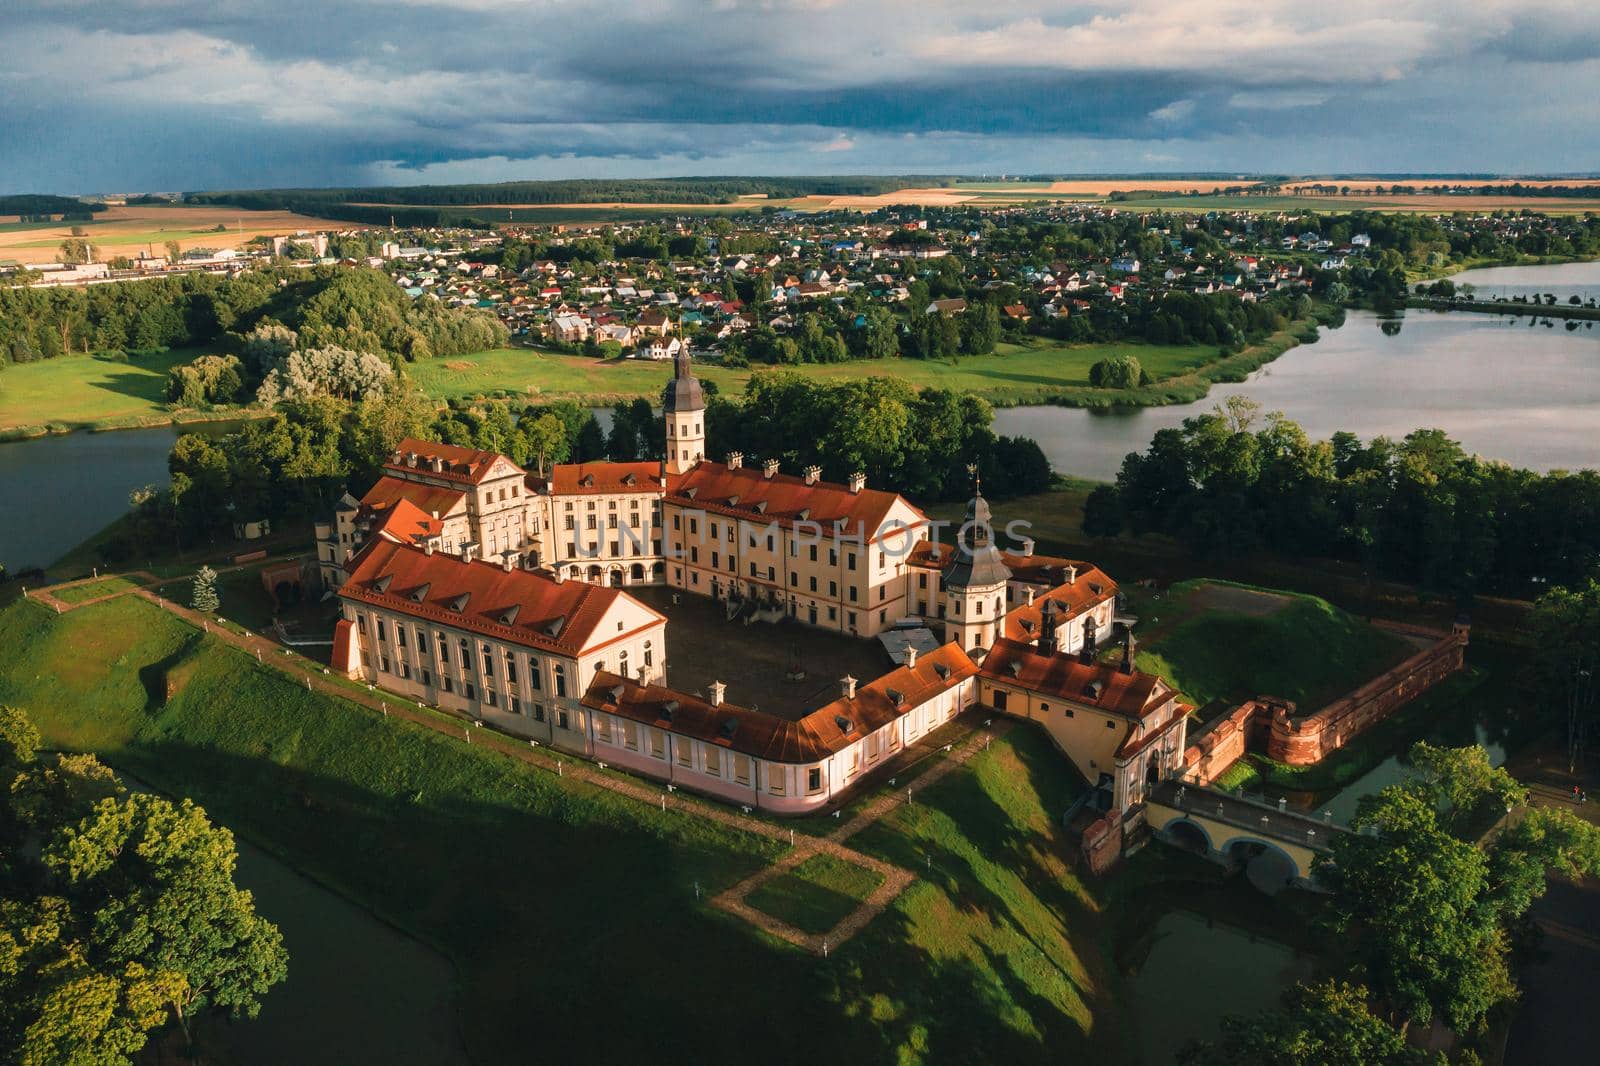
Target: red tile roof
(746, 492)
(470, 465)
(766, 736)
(512, 605)
(1134, 695)
(406, 524)
(429, 499)
(576, 479)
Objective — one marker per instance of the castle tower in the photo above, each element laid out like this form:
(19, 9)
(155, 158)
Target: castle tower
(975, 583)
(684, 405)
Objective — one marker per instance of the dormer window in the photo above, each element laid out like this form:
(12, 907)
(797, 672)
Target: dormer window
(459, 604)
(420, 593)
(381, 585)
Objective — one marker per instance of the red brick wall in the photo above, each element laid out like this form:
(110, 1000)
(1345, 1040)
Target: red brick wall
(1102, 844)
(1308, 740)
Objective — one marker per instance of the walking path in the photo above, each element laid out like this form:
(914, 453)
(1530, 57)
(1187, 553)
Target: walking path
(802, 846)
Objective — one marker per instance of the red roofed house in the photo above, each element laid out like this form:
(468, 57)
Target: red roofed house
(502, 644)
(761, 760)
(1124, 729)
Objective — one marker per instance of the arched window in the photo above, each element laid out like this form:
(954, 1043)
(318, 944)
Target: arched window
(560, 674)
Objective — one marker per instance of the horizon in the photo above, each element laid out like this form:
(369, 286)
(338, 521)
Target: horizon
(174, 96)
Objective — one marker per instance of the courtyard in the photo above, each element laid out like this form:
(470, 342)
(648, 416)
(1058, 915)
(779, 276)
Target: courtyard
(756, 660)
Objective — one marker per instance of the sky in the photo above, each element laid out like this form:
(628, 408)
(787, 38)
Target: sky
(170, 95)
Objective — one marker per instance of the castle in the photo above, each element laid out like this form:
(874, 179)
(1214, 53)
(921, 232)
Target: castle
(469, 583)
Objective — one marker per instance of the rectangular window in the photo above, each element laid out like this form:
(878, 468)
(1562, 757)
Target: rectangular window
(775, 780)
(472, 693)
(488, 696)
(630, 736)
(658, 744)
(400, 635)
(602, 728)
(714, 762)
(538, 712)
(741, 769)
(383, 630)
(422, 642)
(562, 720)
(383, 663)
(814, 780)
(511, 669)
(685, 752)
(515, 705)
(446, 684)
(427, 677)
(488, 661)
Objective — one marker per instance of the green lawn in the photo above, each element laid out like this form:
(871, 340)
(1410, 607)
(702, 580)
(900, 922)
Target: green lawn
(1219, 644)
(816, 895)
(85, 391)
(572, 915)
(1014, 374)
(91, 590)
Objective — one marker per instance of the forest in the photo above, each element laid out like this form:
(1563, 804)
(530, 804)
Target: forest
(1420, 509)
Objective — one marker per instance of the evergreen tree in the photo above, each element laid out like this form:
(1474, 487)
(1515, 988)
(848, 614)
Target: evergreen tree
(205, 598)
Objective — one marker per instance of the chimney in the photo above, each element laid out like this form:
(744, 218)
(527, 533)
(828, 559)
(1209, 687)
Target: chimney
(558, 574)
(1027, 547)
(427, 547)
(508, 562)
(1030, 596)
(769, 468)
(1047, 628)
(1072, 573)
(718, 689)
(911, 656)
(411, 460)
(857, 482)
(847, 687)
(466, 551)
(1129, 647)
(1086, 654)
(813, 474)
(735, 460)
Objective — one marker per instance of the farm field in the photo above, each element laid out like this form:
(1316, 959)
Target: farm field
(496, 863)
(1014, 374)
(126, 230)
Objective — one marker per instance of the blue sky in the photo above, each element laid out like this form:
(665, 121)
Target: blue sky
(117, 95)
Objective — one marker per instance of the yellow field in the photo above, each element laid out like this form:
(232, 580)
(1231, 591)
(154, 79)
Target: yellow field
(127, 231)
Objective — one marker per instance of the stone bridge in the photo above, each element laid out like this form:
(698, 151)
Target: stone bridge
(1280, 846)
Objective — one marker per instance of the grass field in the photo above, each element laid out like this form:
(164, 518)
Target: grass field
(1014, 374)
(87, 392)
(816, 895)
(1220, 644)
(571, 914)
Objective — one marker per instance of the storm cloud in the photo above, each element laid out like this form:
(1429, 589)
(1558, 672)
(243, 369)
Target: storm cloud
(160, 94)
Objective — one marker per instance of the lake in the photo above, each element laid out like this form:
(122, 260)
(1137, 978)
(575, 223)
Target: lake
(62, 490)
(1506, 388)
(1562, 279)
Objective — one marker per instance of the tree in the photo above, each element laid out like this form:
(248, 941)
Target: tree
(119, 911)
(338, 372)
(267, 345)
(76, 250)
(1413, 896)
(1102, 512)
(204, 597)
(1117, 372)
(1327, 1024)
(547, 440)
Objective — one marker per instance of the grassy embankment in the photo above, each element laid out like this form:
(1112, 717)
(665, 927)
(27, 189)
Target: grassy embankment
(564, 907)
(1220, 644)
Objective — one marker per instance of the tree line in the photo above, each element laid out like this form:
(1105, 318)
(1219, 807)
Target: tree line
(1420, 509)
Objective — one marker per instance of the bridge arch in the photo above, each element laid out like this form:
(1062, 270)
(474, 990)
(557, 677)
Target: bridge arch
(1268, 866)
(1188, 835)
